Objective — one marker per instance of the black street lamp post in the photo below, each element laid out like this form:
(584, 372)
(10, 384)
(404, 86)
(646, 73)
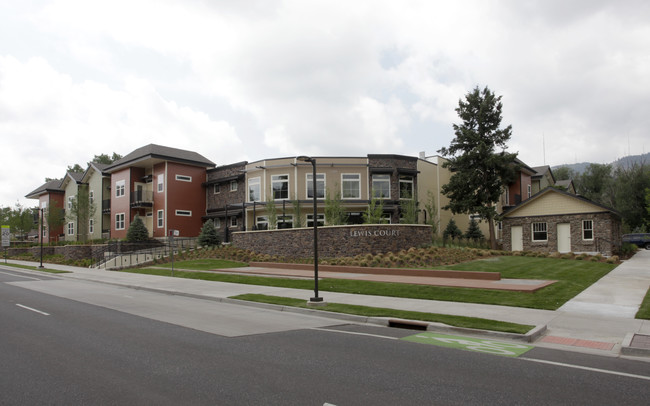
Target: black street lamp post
(316, 299)
(42, 232)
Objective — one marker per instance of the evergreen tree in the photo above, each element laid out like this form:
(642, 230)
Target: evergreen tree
(480, 172)
(432, 213)
(473, 232)
(452, 231)
(137, 231)
(208, 236)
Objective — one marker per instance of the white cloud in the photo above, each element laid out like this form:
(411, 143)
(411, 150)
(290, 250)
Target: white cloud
(251, 80)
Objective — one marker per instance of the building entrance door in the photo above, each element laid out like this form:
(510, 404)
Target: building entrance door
(516, 238)
(564, 237)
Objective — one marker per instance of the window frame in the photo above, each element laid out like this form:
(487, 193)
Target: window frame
(380, 179)
(70, 228)
(262, 222)
(590, 230)
(91, 226)
(349, 180)
(120, 219)
(183, 213)
(407, 180)
(320, 218)
(320, 193)
(160, 218)
(284, 181)
(183, 178)
(120, 188)
(160, 183)
(252, 182)
(234, 185)
(536, 230)
(216, 189)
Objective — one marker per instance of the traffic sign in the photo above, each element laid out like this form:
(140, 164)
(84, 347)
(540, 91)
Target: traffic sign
(6, 236)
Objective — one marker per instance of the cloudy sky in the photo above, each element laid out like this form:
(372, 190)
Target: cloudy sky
(246, 80)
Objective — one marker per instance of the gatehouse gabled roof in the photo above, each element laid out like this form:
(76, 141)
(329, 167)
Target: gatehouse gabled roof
(553, 201)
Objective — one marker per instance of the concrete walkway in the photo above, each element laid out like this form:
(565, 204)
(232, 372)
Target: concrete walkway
(599, 319)
(617, 294)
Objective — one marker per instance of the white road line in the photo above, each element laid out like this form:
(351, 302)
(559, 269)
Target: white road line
(20, 276)
(603, 371)
(34, 310)
(354, 333)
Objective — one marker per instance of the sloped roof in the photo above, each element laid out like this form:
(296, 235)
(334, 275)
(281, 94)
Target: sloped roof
(50, 186)
(94, 166)
(162, 153)
(542, 170)
(533, 200)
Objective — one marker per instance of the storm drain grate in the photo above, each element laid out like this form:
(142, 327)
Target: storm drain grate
(408, 324)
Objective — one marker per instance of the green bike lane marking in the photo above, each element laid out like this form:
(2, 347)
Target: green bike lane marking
(470, 344)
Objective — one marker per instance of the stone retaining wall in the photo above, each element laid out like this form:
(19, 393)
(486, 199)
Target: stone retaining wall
(335, 241)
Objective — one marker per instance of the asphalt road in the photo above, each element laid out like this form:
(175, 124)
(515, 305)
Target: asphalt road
(111, 345)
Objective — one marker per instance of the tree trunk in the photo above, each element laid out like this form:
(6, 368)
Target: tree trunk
(493, 240)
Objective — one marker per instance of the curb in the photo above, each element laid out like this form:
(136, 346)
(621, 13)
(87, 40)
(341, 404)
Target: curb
(626, 349)
(530, 336)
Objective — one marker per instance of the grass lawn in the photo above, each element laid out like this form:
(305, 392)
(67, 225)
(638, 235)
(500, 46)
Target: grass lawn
(35, 268)
(644, 310)
(572, 276)
(458, 321)
(205, 264)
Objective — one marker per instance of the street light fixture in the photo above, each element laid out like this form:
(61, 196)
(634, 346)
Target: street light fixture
(316, 299)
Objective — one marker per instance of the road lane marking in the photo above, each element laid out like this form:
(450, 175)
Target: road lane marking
(603, 371)
(21, 276)
(34, 310)
(355, 333)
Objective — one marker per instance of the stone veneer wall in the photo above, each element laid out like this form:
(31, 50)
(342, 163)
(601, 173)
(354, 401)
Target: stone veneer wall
(69, 252)
(606, 228)
(334, 241)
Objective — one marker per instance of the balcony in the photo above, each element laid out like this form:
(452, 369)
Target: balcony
(141, 198)
(106, 206)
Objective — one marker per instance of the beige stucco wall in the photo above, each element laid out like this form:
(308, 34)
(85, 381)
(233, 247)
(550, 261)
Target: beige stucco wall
(94, 180)
(70, 191)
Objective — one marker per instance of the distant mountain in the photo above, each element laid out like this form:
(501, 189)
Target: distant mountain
(622, 162)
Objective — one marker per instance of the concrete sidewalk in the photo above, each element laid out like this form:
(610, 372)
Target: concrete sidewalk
(582, 324)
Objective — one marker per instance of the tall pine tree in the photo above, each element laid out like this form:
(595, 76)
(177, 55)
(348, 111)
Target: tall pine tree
(481, 168)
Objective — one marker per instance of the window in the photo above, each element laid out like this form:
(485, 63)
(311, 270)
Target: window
(320, 218)
(351, 185)
(184, 213)
(254, 190)
(70, 202)
(70, 228)
(262, 223)
(91, 226)
(280, 186)
(217, 189)
(539, 232)
(320, 186)
(161, 182)
(119, 188)
(285, 221)
(183, 178)
(587, 229)
(530, 190)
(233, 222)
(217, 223)
(119, 221)
(233, 185)
(406, 187)
(507, 196)
(160, 218)
(91, 196)
(381, 186)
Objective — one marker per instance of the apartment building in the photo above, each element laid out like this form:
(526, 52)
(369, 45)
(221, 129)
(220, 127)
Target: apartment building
(50, 198)
(163, 186)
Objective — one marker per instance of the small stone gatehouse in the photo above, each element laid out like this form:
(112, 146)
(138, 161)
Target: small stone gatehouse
(557, 221)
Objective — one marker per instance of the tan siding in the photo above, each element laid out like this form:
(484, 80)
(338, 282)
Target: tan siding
(555, 204)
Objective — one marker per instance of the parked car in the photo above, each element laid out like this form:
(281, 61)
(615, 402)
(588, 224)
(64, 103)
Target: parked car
(642, 240)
